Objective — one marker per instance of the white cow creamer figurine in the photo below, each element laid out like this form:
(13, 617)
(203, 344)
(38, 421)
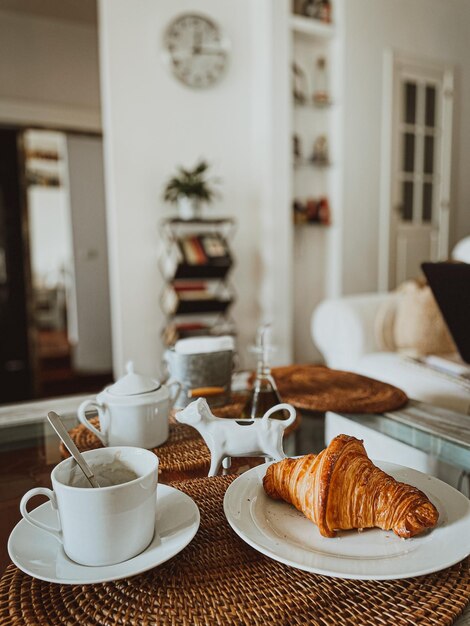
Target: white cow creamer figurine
(225, 438)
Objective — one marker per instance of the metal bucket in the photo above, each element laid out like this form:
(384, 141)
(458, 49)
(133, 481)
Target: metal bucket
(211, 371)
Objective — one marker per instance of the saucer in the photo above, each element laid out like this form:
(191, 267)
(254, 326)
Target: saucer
(40, 555)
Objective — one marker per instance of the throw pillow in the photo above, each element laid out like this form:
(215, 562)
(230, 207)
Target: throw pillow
(419, 327)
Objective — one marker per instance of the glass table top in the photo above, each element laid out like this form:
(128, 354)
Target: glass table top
(436, 431)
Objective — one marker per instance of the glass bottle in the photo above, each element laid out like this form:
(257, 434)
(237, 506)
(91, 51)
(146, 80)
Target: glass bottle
(320, 94)
(264, 394)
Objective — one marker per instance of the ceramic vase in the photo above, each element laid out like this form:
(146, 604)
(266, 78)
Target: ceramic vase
(189, 208)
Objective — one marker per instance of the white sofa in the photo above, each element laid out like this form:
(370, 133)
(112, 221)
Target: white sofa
(343, 330)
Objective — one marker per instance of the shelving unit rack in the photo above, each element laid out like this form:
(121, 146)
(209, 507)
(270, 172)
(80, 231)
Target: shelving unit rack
(195, 263)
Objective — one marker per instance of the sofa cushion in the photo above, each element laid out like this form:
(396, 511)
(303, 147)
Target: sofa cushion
(417, 381)
(412, 323)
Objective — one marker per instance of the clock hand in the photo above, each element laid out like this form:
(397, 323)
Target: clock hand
(197, 42)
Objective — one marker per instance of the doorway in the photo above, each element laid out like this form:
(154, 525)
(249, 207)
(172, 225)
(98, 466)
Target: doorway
(61, 254)
(417, 167)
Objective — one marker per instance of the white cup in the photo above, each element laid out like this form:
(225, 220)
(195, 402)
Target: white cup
(107, 525)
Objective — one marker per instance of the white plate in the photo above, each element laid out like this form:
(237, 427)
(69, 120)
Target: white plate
(40, 555)
(278, 530)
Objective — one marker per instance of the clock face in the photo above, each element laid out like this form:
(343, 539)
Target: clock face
(197, 50)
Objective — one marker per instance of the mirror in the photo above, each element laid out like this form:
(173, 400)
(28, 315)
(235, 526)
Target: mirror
(66, 342)
(55, 330)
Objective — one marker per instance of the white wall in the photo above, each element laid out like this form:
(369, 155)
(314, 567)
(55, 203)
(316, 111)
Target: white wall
(153, 123)
(49, 72)
(436, 29)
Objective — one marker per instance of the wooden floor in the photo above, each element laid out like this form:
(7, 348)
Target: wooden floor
(56, 375)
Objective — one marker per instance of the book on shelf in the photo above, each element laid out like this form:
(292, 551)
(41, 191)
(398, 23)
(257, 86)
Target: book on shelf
(204, 256)
(193, 251)
(203, 249)
(193, 290)
(190, 285)
(214, 246)
(190, 299)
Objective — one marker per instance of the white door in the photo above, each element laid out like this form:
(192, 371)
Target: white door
(420, 163)
(92, 317)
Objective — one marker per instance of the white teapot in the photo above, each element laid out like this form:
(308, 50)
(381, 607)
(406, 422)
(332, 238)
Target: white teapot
(132, 412)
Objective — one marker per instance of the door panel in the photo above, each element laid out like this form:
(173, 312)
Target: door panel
(422, 118)
(91, 317)
(413, 246)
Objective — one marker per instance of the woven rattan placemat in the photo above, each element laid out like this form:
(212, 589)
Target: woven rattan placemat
(319, 388)
(218, 579)
(184, 450)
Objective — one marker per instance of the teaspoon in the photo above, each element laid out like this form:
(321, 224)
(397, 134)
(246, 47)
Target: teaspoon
(60, 429)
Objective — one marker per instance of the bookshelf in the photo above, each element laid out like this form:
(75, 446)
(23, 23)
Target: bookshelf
(195, 263)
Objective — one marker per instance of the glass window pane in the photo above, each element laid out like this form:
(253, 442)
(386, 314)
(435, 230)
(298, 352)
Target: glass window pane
(408, 152)
(410, 103)
(428, 154)
(407, 201)
(427, 202)
(430, 114)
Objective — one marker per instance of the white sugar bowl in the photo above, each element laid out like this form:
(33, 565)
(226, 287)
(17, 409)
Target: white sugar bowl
(132, 412)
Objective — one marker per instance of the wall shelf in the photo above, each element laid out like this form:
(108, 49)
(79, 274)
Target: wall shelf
(316, 106)
(315, 184)
(310, 27)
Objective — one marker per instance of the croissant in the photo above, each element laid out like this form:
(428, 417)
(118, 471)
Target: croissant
(341, 488)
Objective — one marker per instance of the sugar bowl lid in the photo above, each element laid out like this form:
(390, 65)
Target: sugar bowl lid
(133, 384)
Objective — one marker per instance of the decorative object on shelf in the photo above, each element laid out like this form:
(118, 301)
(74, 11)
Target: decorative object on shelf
(238, 438)
(189, 189)
(323, 211)
(320, 155)
(202, 366)
(299, 84)
(195, 264)
(312, 211)
(196, 50)
(296, 148)
(325, 11)
(316, 9)
(321, 95)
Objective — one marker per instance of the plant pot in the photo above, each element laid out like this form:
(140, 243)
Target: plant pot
(189, 208)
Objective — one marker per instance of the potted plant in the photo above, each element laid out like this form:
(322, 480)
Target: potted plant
(189, 189)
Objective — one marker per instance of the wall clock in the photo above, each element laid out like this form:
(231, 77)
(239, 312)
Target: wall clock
(196, 50)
